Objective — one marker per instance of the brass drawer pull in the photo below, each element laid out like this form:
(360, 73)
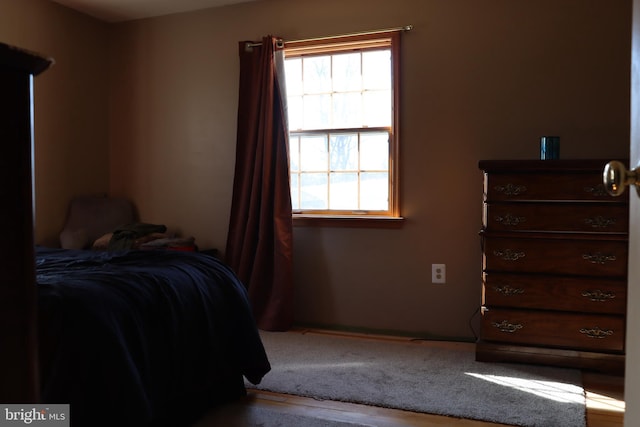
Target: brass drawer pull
(505, 326)
(510, 189)
(598, 258)
(508, 254)
(596, 332)
(510, 219)
(600, 222)
(598, 295)
(508, 290)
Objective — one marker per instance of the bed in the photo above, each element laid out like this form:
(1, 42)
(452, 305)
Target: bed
(143, 337)
(128, 337)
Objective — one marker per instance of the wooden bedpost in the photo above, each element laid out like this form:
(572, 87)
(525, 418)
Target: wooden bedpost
(19, 381)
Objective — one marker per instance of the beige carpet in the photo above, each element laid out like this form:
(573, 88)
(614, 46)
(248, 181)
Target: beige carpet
(430, 378)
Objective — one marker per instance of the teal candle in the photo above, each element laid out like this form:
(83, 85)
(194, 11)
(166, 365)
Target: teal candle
(549, 147)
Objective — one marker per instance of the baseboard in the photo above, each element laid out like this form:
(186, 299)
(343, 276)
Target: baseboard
(381, 332)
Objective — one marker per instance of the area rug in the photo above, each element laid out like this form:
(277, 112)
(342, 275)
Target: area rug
(441, 379)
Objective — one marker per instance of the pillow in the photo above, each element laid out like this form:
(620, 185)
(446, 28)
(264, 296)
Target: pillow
(74, 239)
(90, 217)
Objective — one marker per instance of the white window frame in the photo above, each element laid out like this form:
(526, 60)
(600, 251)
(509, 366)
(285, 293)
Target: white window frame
(386, 40)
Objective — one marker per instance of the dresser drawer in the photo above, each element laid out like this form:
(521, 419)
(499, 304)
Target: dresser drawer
(582, 257)
(552, 329)
(545, 186)
(566, 217)
(587, 295)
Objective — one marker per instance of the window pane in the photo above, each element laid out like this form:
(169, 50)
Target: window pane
(294, 110)
(374, 152)
(376, 69)
(346, 73)
(314, 153)
(314, 191)
(347, 110)
(377, 108)
(344, 152)
(317, 74)
(344, 191)
(294, 153)
(295, 199)
(293, 76)
(317, 111)
(374, 191)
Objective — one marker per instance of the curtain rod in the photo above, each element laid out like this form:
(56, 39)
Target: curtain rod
(361, 33)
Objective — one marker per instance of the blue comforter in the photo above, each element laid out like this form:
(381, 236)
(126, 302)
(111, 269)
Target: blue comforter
(141, 338)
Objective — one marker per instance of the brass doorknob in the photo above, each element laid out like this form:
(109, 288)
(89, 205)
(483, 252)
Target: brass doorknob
(616, 176)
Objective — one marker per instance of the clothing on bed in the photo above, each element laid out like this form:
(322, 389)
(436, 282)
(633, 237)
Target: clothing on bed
(124, 237)
(135, 338)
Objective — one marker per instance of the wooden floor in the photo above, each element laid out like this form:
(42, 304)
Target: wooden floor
(605, 408)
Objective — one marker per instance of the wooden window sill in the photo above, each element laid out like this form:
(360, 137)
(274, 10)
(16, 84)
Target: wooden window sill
(302, 220)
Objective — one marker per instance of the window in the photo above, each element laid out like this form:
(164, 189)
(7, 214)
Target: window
(342, 97)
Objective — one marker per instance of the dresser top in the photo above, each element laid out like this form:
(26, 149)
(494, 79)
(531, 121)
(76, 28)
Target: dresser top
(562, 165)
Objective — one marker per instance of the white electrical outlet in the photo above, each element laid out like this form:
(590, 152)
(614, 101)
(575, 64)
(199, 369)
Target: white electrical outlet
(438, 273)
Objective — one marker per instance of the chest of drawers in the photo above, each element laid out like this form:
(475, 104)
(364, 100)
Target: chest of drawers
(554, 265)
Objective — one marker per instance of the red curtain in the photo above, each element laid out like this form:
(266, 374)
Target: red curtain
(259, 243)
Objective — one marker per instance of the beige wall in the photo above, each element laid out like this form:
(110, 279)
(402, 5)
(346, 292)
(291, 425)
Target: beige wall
(480, 80)
(71, 152)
